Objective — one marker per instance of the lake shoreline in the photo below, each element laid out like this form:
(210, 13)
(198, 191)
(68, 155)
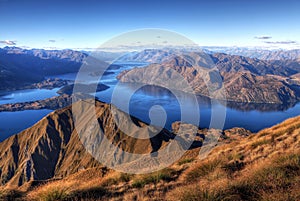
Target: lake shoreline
(49, 83)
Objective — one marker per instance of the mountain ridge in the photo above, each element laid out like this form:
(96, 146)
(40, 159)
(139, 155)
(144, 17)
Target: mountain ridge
(239, 87)
(47, 149)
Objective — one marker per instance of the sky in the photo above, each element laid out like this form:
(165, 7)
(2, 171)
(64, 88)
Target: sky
(88, 24)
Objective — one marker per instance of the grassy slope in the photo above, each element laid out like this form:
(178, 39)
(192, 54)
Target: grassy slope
(265, 166)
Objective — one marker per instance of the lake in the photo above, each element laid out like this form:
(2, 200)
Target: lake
(248, 115)
(26, 95)
(14, 122)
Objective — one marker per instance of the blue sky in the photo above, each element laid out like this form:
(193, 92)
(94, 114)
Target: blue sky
(87, 24)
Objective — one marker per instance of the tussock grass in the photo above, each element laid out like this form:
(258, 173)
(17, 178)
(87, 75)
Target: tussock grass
(53, 194)
(194, 193)
(236, 156)
(186, 160)
(93, 193)
(60, 193)
(260, 143)
(154, 178)
(124, 177)
(9, 194)
(203, 169)
(282, 174)
(110, 181)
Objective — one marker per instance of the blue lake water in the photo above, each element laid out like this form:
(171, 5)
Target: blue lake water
(26, 95)
(237, 114)
(14, 122)
(250, 116)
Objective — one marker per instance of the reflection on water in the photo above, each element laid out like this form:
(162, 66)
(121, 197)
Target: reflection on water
(158, 92)
(262, 107)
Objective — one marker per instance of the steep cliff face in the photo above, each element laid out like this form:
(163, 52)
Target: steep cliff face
(52, 148)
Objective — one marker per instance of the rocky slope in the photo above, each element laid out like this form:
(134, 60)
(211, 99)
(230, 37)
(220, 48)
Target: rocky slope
(247, 87)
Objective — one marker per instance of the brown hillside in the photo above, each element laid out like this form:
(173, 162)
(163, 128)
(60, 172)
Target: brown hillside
(52, 149)
(264, 166)
(238, 86)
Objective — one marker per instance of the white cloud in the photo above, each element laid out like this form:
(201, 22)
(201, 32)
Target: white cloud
(263, 37)
(8, 42)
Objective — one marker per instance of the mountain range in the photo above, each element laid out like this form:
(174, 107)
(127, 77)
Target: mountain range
(21, 67)
(244, 79)
(259, 53)
(224, 62)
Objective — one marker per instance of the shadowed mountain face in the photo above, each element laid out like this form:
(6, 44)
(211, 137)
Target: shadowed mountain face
(52, 148)
(21, 67)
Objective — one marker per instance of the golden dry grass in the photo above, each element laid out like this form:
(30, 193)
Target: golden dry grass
(264, 166)
(278, 179)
